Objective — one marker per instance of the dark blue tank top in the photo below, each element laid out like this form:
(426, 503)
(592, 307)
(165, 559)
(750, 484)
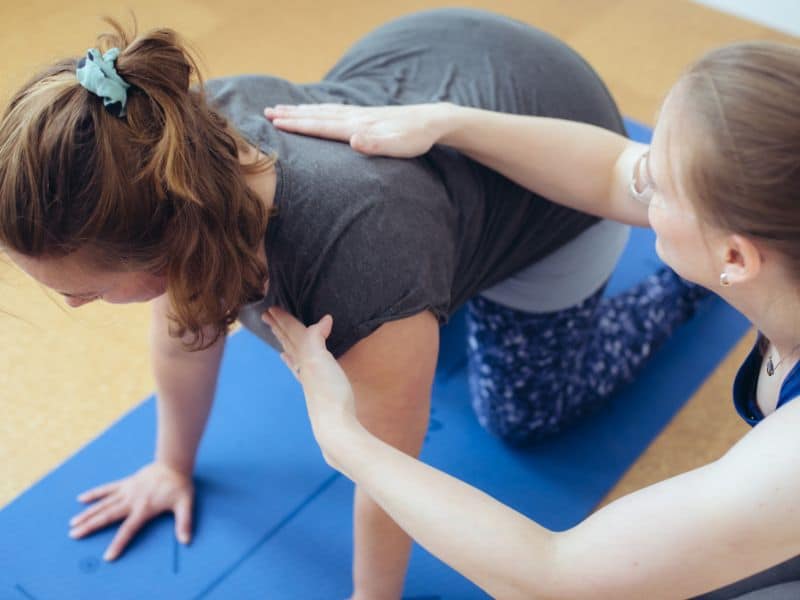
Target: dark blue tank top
(745, 384)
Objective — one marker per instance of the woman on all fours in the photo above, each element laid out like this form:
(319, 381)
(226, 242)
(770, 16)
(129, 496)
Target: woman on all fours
(721, 181)
(121, 182)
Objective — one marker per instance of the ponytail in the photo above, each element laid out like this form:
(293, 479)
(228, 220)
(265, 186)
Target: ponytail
(159, 189)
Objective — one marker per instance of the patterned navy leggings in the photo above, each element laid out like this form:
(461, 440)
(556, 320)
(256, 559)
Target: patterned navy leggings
(532, 374)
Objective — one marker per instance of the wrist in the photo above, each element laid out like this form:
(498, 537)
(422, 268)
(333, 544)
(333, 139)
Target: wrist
(180, 464)
(450, 120)
(348, 449)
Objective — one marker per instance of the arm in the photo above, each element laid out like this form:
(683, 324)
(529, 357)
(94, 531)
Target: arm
(186, 382)
(391, 373)
(578, 165)
(678, 538)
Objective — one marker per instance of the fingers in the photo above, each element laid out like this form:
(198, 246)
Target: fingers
(291, 328)
(324, 326)
(321, 111)
(183, 519)
(332, 121)
(270, 319)
(92, 511)
(111, 513)
(363, 143)
(124, 535)
(98, 492)
(293, 334)
(332, 129)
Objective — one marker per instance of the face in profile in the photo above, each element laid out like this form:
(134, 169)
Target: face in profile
(72, 277)
(682, 241)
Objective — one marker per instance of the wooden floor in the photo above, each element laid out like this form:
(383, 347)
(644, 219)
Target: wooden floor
(67, 375)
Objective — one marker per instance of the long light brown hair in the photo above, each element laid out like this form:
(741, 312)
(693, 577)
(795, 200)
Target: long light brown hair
(161, 189)
(743, 102)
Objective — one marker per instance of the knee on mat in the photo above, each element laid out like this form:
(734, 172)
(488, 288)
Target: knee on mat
(522, 419)
(515, 422)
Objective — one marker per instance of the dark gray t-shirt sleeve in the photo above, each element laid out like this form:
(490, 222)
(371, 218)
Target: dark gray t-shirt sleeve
(367, 256)
(391, 285)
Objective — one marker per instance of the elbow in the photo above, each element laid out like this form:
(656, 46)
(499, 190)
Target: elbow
(538, 575)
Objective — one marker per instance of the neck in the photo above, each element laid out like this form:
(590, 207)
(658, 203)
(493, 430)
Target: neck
(262, 183)
(776, 315)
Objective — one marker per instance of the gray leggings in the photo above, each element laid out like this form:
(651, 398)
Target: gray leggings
(781, 582)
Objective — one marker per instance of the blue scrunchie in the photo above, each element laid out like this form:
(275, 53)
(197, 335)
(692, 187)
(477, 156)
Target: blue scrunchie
(97, 74)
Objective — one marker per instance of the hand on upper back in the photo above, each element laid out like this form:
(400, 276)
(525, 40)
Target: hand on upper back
(154, 489)
(329, 395)
(398, 131)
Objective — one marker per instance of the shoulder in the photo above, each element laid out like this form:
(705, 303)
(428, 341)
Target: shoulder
(770, 451)
(250, 94)
(363, 247)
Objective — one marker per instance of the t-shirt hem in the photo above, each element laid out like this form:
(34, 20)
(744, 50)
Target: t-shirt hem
(365, 329)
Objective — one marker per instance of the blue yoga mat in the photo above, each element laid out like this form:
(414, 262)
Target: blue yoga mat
(273, 521)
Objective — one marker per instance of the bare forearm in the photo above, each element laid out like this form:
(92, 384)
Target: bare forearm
(186, 383)
(503, 552)
(382, 547)
(574, 164)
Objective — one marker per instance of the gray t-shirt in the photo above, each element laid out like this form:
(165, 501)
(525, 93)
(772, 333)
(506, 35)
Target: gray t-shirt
(370, 239)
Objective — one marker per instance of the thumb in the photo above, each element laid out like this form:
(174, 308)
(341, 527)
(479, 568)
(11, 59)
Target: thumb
(183, 519)
(325, 326)
(364, 143)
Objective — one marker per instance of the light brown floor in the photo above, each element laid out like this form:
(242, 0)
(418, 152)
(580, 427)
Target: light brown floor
(67, 375)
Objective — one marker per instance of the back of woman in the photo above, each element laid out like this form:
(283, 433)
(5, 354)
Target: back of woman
(370, 239)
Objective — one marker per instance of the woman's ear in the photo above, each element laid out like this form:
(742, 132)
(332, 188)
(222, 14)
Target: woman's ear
(741, 260)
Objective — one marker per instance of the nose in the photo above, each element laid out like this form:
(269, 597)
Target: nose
(76, 302)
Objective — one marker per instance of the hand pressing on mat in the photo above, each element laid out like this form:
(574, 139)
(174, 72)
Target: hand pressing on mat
(154, 489)
(329, 396)
(399, 131)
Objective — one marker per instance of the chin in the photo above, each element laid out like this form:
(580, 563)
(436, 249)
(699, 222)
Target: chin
(152, 296)
(660, 250)
(665, 259)
(144, 298)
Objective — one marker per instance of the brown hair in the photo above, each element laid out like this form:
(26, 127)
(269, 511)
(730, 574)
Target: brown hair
(744, 101)
(161, 189)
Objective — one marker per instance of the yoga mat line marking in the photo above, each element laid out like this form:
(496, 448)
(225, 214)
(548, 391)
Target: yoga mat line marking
(24, 592)
(269, 535)
(176, 548)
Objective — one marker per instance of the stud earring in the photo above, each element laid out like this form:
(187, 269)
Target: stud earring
(724, 280)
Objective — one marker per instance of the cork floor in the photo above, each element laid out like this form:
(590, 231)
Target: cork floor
(68, 374)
